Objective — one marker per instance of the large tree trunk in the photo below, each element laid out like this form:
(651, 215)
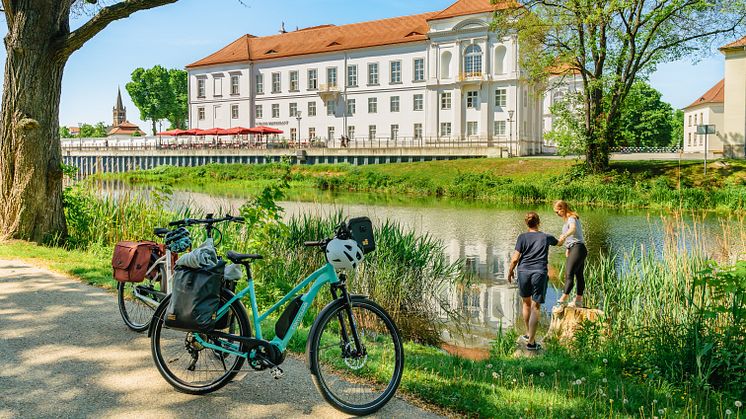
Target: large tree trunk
(596, 141)
(30, 153)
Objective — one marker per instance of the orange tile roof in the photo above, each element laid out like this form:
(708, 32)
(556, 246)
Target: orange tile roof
(330, 38)
(470, 7)
(715, 95)
(737, 44)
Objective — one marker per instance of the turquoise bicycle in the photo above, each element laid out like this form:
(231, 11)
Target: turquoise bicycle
(354, 350)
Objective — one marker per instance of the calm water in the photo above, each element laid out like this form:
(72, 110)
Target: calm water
(484, 237)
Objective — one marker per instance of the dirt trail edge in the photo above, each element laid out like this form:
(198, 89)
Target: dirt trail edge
(65, 352)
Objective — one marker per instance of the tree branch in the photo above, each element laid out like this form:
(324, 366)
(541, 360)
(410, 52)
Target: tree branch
(102, 19)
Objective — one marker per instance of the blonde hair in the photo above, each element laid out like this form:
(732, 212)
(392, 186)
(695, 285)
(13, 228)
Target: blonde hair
(568, 211)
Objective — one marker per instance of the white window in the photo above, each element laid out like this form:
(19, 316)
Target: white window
(499, 127)
(234, 111)
(330, 133)
(293, 110)
(445, 100)
(259, 83)
(313, 79)
(373, 73)
(472, 128)
(293, 133)
(419, 102)
(294, 81)
(419, 69)
(372, 105)
(235, 87)
(331, 76)
(690, 134)
(217, 84)
(330, 105)
(351, 107)
(501, 97)
(311, 133)
(276, 83)
(473, 60)
(371, 132)
(394, 103)
(275, 110)
(471, 98)
(352, 75)
(417, 131)
(394, 131)
(312, 108)
(690, 120)
(201, 114)
(350, 131)
(395, 72)
(215, 112)
(445, 129)
(259, 112)
(201, 89)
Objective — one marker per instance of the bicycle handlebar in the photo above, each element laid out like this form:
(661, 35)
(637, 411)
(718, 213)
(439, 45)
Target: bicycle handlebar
(340, 232)
(209, 220)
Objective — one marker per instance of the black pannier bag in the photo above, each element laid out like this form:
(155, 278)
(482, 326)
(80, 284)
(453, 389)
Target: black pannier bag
(361, 229)
(195, 299)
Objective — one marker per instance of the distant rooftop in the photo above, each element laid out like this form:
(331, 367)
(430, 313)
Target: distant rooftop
(714, 95)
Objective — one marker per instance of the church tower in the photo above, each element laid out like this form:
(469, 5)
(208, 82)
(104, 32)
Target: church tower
(119, 111)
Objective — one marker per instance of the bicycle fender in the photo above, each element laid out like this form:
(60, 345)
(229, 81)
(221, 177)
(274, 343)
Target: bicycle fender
(331, 306)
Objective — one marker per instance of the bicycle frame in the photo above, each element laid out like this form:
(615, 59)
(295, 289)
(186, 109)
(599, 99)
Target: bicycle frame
(322, 276)
(164, 260)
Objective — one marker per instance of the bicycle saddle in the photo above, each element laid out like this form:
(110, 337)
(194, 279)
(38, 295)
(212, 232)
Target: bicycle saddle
(161, 232)
(236, 257)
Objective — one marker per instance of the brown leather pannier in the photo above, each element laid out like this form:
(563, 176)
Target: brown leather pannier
(131, 260)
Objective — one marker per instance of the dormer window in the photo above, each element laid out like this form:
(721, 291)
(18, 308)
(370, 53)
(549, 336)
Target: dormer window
(473, 60)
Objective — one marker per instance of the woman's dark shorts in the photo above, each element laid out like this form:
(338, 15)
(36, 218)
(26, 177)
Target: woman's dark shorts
(533, 284)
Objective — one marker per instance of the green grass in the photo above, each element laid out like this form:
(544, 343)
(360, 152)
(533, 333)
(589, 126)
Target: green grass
(628, 184)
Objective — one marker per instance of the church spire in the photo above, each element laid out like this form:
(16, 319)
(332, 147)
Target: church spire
(119, 112)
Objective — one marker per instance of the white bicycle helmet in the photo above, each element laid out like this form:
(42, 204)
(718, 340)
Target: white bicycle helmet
(344, 254)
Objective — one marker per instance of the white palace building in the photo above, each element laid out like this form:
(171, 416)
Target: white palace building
(438, 77)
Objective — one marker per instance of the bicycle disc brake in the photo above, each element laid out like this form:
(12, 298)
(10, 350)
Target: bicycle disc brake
(353, 360)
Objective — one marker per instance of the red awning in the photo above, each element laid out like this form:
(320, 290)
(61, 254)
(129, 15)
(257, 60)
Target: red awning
(192, 131)
(235, 131)
(211, 131)
(261, 129)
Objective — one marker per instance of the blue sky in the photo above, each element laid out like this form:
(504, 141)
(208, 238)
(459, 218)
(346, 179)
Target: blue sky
(178, 34)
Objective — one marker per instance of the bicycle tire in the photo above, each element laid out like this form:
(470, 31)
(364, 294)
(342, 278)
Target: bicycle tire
(325, 371)
(139, 315)
(167, 368)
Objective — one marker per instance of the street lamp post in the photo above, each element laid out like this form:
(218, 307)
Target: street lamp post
(510, 123)
(298, 116)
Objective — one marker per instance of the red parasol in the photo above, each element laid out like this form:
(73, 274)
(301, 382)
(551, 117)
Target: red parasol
(211, 131)
(235, 131)
(261, 129)
(172, 132)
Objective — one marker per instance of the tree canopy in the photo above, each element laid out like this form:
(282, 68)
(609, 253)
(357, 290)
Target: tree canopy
(160, 93)
(610, 44)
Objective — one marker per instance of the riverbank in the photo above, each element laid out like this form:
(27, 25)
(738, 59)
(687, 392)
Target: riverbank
(559, 383)
(628, 184)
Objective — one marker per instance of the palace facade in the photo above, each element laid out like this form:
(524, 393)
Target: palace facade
(433, 77)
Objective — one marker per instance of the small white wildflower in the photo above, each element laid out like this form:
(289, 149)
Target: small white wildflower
(611, 400)
(625, 401)
(655, 401)
(494, 375)
(606, 361)
(605, 380)
(578, 382)
(583, 378)
(738, 404)
(660, 411)
(514, 380)
(541, 374)
(728, 412)
(489, 366)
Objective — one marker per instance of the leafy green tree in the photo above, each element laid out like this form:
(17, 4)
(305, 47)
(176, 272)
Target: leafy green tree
(645, 120)
(38, 43)
(611, 44)
(99, 130)
(92, 131)
(151, 92)
(677, 128)
(65, 132)
(178, 110)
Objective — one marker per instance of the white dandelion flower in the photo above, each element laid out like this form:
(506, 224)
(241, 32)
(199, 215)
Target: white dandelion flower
(541, 374)
(625, 401)
(489, 366)
(494, 375)
(605, 380)
(728, 412)
(738, 404)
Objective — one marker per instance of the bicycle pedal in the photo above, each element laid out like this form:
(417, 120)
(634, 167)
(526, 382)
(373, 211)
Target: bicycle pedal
(277, 373)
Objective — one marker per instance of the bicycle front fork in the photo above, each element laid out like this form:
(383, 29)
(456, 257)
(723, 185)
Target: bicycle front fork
(358, 350)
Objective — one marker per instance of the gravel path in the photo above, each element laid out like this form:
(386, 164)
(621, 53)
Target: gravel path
(65, 352)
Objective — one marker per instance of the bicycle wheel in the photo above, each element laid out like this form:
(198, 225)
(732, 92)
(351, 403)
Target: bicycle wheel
(138, 301)
(190, 367)
(357, 384)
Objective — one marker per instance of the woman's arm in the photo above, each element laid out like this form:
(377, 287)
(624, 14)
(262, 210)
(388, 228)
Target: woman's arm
(570, 231)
